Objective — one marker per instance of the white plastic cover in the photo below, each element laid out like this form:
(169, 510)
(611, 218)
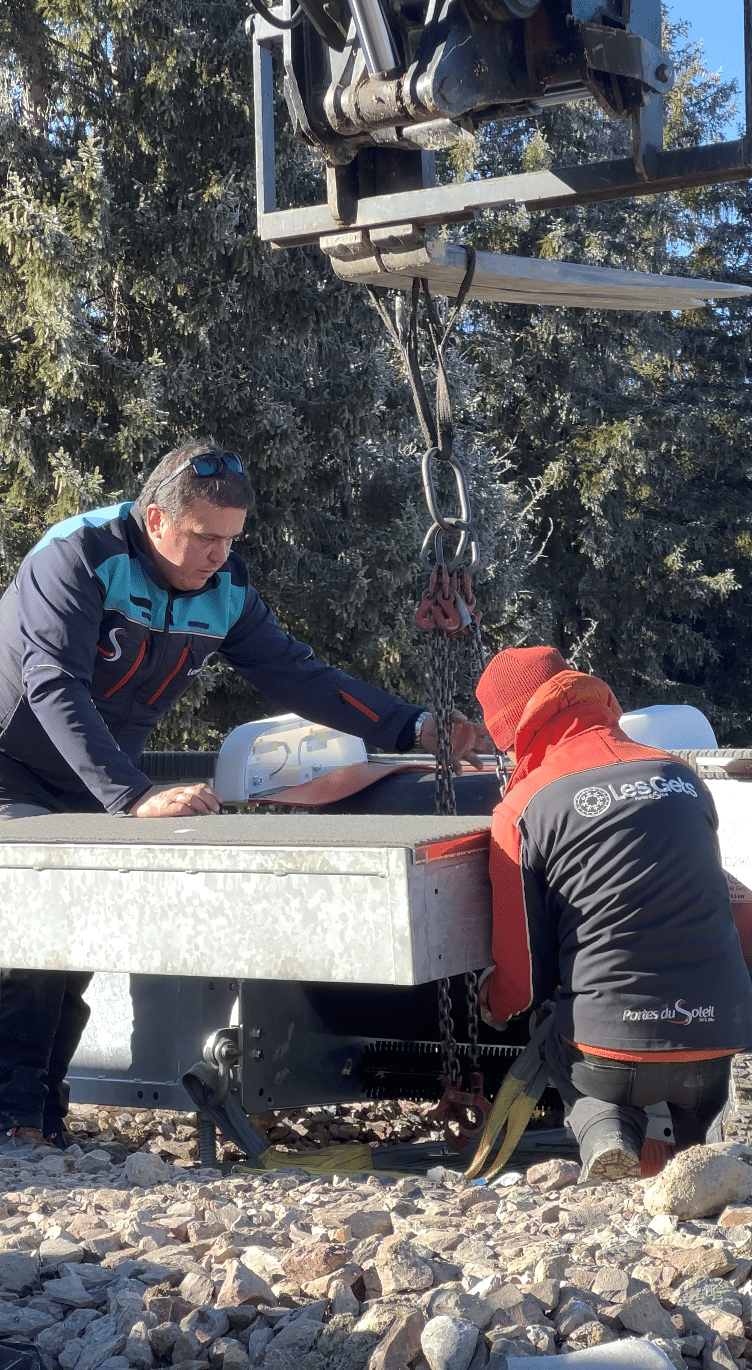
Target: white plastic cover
(276, 753)
(675, 727)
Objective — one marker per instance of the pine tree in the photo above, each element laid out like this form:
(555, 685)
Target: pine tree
(139, 307)
(632, 428)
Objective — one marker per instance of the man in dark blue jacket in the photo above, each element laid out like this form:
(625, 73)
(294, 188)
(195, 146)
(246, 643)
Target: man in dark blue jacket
(109, 618)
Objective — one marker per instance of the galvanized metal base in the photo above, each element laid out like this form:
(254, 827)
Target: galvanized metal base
(516, 280)
(381, 900)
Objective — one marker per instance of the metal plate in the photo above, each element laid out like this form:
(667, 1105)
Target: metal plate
(145, 1031)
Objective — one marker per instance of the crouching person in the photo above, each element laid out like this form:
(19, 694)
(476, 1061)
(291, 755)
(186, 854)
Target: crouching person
(609, 893)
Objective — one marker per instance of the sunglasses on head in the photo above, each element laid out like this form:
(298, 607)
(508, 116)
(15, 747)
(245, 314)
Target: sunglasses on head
(206, 465)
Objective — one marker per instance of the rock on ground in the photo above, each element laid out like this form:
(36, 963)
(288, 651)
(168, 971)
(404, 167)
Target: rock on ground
(702, 1180)
(131, 1257)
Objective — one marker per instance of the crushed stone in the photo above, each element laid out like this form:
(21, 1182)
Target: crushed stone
(131, 1256)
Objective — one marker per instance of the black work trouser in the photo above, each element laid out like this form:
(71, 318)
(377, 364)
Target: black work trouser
(42, 1018)
(597, 1091)
(42, 1012)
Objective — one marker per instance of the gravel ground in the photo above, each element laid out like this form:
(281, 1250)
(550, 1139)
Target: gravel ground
(124, 1254)
(174, 1136)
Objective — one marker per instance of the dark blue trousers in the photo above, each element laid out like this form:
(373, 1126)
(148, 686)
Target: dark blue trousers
(42, 1012)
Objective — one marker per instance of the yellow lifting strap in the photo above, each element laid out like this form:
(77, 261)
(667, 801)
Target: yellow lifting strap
(350, 1158)
(514, 1104)
(342, 1158)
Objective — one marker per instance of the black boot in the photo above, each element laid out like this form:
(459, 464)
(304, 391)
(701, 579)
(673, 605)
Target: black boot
(610, 1150)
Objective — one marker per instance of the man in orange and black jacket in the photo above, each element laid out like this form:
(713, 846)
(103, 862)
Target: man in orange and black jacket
(609, 893)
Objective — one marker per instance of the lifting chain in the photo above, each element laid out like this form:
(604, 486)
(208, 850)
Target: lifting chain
(462, 1113)
(443, 672)
(471, 1001)
(448, 614)
(450, 1066)
(477, 662)
(447, 608)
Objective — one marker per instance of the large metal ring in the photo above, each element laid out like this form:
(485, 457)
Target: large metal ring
(447, 525)
(435, 538)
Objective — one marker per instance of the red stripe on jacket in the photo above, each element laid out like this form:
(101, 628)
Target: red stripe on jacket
(350, 699)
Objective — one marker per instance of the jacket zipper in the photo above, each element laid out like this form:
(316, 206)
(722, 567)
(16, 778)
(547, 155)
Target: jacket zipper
(181, 662)
(132, 671)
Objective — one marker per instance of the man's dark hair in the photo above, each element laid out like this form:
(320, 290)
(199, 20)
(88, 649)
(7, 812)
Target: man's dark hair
(228, 489)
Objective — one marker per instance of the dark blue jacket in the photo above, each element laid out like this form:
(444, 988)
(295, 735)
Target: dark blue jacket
(94, 650)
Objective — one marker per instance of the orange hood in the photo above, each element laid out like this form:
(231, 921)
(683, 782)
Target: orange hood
(565, 692)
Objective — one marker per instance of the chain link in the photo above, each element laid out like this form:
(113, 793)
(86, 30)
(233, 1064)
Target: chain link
(471, 1001)
(450, 1066)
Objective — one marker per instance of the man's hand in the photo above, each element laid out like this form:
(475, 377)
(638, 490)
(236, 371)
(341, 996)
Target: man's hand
(179, 801)
(468, 740)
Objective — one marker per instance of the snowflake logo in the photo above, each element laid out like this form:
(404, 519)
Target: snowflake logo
(592, 801)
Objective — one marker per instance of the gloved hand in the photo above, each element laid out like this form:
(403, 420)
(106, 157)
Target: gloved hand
(485, 1012)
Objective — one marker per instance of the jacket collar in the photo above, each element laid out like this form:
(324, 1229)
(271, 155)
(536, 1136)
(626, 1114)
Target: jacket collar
(137, 530)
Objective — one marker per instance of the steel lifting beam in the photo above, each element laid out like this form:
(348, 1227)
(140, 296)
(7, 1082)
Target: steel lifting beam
(714, 164)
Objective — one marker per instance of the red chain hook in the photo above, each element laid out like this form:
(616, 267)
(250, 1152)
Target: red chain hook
(448, 604)
(467, 1110)
(438, 607)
